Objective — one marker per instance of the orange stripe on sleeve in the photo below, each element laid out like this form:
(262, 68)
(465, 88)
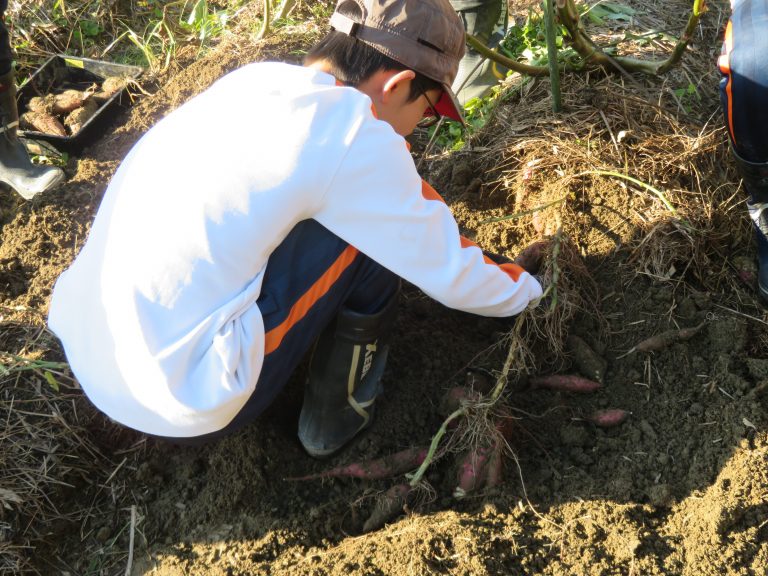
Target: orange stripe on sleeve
(512, 270)
(430, 193)
(274, 337)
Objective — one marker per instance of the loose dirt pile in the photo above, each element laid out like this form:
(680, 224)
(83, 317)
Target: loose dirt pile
(681, 487)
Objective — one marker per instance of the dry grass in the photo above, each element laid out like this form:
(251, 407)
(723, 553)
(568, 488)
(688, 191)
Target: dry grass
(55, 446)
(622, 170)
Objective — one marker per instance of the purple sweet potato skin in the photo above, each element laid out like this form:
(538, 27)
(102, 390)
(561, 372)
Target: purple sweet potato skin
(389, 505)
(608, 418)
(385, 467)
(565, 383)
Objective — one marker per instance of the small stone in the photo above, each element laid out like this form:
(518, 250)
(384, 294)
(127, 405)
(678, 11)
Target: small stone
(687, 308)
(103, 534)
(648, 430)
(696, 409)
(660, 495)
(571, 435)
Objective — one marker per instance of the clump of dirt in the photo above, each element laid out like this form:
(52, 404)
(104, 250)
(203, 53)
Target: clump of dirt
(679, 488)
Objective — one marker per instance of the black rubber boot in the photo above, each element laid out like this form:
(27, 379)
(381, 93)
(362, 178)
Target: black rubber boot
(16, 169)
(487, 21)
(755, 177)
(758, 212)
(345, 379)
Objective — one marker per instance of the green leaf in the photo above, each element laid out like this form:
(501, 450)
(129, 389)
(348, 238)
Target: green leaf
(89, 28)
(198, 13)
(52, 382)
(610, 11)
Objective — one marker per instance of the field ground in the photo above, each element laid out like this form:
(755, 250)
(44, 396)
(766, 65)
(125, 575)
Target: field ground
(680, 488)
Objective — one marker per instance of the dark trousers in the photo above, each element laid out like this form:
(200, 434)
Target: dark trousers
(744, 85)
(309, 277)
(6, 54)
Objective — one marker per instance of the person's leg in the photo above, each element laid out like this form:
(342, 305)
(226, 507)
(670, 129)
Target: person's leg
(6, 54)
(487, 21)
(318, 288)
(16, 169)
(743, 94)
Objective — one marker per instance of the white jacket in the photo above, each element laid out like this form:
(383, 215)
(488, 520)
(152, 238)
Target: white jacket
(157, 313)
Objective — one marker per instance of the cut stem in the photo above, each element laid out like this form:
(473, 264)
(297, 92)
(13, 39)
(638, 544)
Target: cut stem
(285, 7)
(583, 44)
(520, 67)
(522, 213)
(267, 20)
(554, 71)
(419, 474)
(658, 193)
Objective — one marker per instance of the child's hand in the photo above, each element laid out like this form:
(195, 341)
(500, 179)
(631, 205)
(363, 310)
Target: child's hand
(531, 257)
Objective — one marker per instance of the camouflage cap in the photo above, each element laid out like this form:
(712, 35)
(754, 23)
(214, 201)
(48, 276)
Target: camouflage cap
(427, 36)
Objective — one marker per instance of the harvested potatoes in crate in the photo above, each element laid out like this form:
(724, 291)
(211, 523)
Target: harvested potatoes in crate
(65, 113)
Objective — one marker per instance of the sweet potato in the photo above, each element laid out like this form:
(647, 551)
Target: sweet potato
(565, 382)
(386, 467)
(113, 84)
(454, 398)
(531, 257)
(42, 122)
(506, 425)
(388, 506)
(495, 473)
(589, 363)
(608, 418)
(41, 104)
(75, 119)
(109, 88)
(473, 471)
(666, 339)
(67, 101)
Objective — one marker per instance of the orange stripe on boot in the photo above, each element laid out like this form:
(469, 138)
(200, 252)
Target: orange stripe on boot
(302, 306)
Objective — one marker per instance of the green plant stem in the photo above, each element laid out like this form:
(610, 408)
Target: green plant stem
(583, 44)
(494, 55)
(285, 7)
(658, 193)
(419, 474)
(267, 18)
(554, 71)
(517, 215)
(552, 288)
(501, 382)
(496, 393)
(36, 364)
(699, 7)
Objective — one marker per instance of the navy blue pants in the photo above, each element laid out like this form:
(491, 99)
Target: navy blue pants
(6, 54)
(744, 86)
(309, 277)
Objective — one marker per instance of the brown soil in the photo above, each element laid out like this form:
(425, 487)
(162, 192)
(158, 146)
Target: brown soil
(679, 488)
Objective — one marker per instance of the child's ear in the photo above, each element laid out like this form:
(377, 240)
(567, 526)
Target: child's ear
(397, 81)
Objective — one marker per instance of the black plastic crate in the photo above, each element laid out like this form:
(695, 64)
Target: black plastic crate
(62, 72)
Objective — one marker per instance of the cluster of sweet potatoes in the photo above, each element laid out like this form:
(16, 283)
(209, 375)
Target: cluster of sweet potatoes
(65, 113)
(478, 464)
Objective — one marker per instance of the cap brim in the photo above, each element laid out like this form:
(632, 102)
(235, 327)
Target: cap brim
(449, 105)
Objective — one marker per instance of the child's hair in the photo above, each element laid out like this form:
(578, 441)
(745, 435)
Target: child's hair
(352, 62)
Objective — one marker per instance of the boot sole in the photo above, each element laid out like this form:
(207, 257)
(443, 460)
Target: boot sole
(321, 453)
